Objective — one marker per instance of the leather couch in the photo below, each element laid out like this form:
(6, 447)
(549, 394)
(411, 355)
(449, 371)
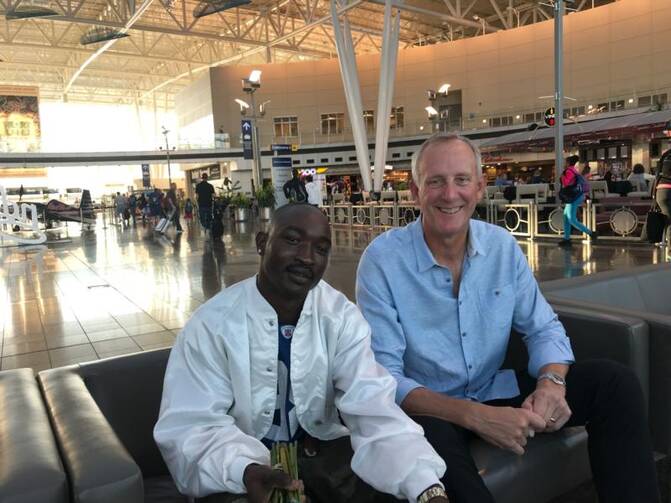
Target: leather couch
(641, 292)
(103, 415)
(30, 467)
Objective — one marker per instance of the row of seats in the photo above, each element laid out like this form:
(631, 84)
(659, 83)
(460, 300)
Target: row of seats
(84, 432)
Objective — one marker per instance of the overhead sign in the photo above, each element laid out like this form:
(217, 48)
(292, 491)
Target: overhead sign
(247, 142)
(146, 177)
(215, 172)
(281, 162)
(550, 116)
(281, 148)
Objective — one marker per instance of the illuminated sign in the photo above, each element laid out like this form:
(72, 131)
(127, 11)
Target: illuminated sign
(312, 171)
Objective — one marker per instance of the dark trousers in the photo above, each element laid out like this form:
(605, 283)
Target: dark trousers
(663, 197)
(205, 215)
(606, 398)
(327, 477)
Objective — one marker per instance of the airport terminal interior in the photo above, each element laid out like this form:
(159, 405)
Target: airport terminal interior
(113, 112)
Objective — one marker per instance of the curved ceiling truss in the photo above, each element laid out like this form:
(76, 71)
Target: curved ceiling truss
(168, 47)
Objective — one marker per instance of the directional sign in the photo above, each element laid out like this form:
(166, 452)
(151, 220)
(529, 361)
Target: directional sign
(281, 148)
(146, 179)
(281, 162)
(247, 142)
(550, 116)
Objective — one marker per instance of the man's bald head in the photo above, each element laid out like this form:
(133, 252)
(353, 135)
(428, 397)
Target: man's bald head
(295, 250)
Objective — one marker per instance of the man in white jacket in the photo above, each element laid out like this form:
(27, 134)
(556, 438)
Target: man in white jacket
(283, 356)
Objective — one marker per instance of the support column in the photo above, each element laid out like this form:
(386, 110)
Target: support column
(348, 71)
(559, 93)
(388, 59)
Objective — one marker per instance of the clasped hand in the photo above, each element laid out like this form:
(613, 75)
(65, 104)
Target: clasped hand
(544, 410)
(549, 402)
(261, 480)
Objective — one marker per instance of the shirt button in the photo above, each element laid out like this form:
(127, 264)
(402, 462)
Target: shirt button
(460, 302)
(470, 366)
(463, 334)
(266, 412)
(449, 280)
(271, 323)
(269, 369)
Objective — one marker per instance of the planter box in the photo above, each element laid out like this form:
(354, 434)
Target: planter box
(265, 213)
(241, 214)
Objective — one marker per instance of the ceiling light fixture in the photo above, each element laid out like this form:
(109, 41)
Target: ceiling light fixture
(208, 7)
(29, 11)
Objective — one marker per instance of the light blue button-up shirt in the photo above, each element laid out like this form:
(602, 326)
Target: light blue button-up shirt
(428, 337)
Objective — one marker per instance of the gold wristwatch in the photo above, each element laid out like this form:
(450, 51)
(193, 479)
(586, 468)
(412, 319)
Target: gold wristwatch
(432, 492)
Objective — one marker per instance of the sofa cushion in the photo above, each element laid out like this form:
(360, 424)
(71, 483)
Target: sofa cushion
(128, 391)
(552, 464)
(30, 467)
(162, 490)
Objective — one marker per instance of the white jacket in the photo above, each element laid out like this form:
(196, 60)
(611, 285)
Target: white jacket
(221, 384)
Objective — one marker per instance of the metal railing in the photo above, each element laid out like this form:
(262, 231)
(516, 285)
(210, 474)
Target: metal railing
(620, 221)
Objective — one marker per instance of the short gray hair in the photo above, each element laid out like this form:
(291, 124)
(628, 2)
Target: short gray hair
(444, 138)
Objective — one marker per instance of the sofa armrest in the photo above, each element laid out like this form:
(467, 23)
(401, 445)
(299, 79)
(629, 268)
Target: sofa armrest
(30, 467)
(99, 468)
(617, 337)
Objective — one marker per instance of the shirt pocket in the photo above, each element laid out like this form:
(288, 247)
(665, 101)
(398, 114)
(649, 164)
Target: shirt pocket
(497, 305)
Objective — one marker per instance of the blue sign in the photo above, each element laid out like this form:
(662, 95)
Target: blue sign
(281, 162)
(146, 180)
(247, 142)
(281, 148)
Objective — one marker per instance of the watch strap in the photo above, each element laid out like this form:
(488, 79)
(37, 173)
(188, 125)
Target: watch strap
(430, 493)
(551, 376)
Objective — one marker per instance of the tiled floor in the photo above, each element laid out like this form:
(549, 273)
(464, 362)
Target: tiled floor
(118, 290)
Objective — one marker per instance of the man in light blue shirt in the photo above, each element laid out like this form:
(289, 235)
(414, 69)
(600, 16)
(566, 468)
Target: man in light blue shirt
(442, 296)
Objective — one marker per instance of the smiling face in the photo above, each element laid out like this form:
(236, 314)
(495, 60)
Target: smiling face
(295, 251)
(449, 187)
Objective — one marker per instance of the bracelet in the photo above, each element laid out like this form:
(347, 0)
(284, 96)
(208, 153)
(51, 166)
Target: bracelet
(430, 493)
(551, 376)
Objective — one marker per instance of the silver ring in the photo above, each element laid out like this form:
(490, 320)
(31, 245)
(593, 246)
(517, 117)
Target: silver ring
(553, 419)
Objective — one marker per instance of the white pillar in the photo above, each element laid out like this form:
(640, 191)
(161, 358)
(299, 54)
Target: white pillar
(348, 71)
(390, 39)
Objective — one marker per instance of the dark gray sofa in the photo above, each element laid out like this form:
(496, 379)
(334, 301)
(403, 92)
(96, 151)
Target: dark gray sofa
(641, 292)
(30, 467)
(103, 414)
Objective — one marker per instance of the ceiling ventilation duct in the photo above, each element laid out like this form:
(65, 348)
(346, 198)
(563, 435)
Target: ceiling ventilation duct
(207, 7)
(29, 10)
(96, 35)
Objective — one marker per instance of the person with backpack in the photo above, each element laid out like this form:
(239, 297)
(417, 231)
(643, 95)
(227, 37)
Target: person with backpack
(574, 187)
(294, 190)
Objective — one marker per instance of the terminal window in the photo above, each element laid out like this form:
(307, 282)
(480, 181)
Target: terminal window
(286, 126)
(369, 120)
(333, 123)
(397, 118)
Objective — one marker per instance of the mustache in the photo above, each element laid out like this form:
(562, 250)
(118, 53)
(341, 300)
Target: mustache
(302, 270)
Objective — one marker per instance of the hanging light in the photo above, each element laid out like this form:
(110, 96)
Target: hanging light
(29, 11)
(207, 7)
(96, 35)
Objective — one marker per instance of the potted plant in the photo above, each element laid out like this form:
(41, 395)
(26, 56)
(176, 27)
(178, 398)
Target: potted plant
(242, 204)
(265, 198)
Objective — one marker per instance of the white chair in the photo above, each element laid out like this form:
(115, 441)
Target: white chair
(388, 195)
(641, 189)
(526, 190)
(338, 198)
(404, 196)
(598, 189)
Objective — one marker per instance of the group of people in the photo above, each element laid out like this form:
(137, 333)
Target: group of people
(383, 396)
(149, 206)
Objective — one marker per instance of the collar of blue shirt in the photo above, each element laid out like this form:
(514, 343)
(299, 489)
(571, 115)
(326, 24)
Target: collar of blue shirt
(425, 259)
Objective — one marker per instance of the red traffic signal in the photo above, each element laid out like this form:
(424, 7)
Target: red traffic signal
(550, 116)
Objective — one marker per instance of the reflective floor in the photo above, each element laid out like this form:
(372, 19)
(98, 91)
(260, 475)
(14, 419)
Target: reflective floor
(116, 290)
